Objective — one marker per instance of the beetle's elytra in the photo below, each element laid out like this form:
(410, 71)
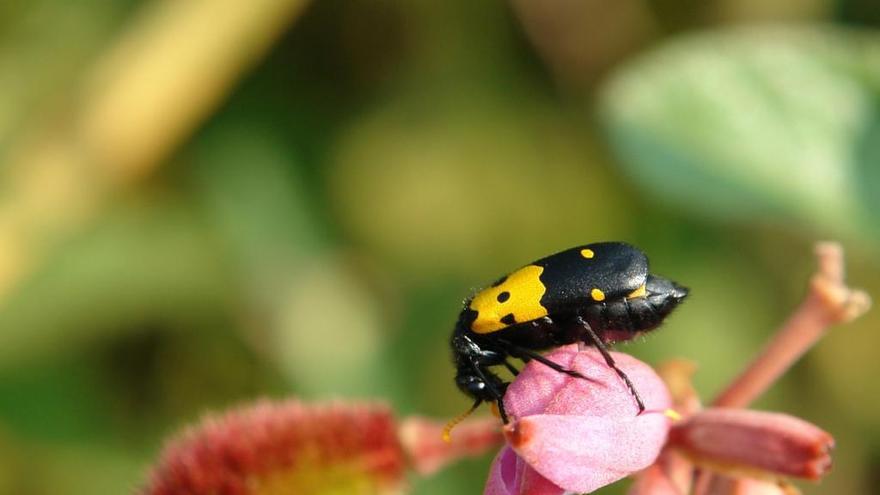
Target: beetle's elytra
(598, 294)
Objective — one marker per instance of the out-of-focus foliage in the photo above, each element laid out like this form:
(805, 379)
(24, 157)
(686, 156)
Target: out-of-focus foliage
(777, 123)
(273, 198)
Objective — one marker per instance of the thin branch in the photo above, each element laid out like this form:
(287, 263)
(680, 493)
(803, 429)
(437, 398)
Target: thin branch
(829, 302)
(169, 72)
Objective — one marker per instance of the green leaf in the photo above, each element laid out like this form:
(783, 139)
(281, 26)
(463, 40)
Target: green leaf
(765, 123)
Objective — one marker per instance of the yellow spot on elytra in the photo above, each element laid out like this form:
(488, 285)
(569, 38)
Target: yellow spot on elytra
(587, 253)
(597, 295)
(672, 414)
(640, 292)
(524, 303)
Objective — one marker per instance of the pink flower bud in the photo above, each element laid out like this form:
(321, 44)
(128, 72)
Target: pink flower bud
(510, 475)
(575, 434)
(738, 441)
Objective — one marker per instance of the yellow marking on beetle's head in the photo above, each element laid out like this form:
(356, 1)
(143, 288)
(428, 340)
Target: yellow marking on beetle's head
(640, 292)
(587, 253)
(518, 295)
(597, 295)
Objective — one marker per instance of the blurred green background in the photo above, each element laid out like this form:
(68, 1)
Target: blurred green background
(208, 201)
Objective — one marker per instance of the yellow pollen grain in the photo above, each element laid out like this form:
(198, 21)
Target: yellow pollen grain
(587, 253)
(597, 295)
(672, 414)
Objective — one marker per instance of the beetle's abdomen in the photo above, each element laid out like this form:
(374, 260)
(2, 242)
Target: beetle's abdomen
(623, 318)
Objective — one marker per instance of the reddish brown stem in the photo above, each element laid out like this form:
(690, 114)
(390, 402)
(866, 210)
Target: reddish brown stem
(428, 452)
(829, 302)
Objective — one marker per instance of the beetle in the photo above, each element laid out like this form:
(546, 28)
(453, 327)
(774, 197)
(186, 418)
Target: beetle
(598, 294)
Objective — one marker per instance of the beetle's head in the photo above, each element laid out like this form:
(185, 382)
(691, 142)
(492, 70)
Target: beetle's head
(475, 386)
(472, 374)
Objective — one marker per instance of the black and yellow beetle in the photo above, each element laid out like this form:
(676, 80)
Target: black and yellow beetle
(598, 294)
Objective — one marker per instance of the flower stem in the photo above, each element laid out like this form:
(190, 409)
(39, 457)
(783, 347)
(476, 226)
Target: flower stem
(828, 302)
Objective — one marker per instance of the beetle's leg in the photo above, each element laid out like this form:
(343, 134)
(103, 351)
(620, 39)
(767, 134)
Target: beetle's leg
(497, 395)
(522, 352)
(596, 341)
(511, 368)
(501, 412)
(500, 403)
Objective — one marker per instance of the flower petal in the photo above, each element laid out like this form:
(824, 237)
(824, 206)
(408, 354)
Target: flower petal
(737, 441)
(510, 475)
(541, 390)
(582, 454)
(582, 434)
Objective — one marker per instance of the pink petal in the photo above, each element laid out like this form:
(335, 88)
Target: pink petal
(741, 441)
(510, 475)
(583, 455)
(541, 390)
(583, 434)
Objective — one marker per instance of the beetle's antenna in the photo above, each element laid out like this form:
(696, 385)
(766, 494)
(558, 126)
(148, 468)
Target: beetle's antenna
(447, 430)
